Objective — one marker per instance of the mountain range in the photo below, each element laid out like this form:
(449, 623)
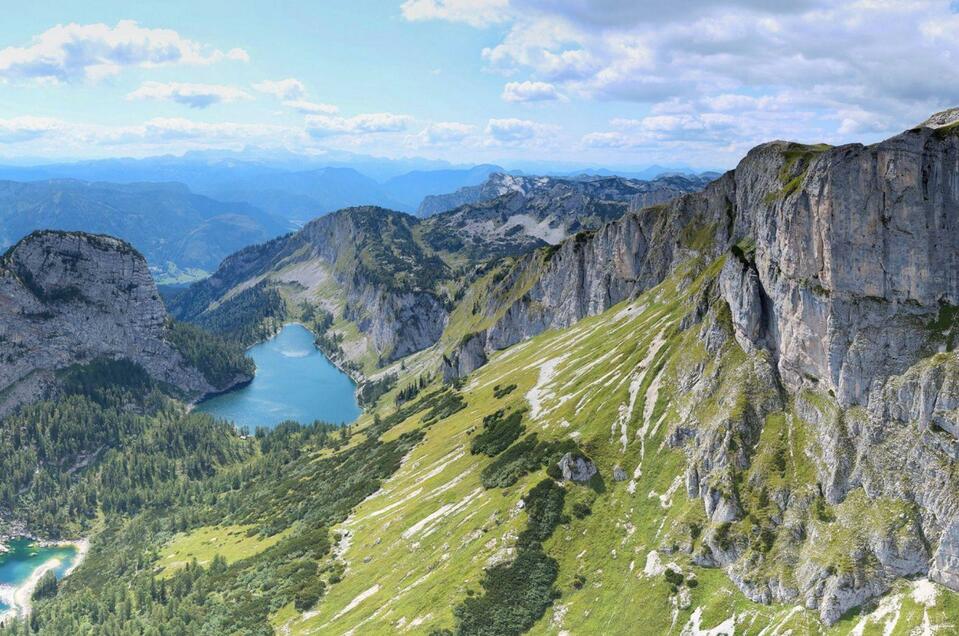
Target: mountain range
(733, 410)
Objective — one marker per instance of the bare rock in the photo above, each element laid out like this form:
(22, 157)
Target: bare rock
(578, 468)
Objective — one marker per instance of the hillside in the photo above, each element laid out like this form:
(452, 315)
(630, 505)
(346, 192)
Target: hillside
(183, 235)
(732, 412)
(389, 279)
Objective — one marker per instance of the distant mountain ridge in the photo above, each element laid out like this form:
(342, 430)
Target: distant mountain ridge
(177, 230)
(636, 192)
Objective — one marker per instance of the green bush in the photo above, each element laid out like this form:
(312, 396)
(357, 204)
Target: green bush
(515, 595)
(499, 432)
(525, 456)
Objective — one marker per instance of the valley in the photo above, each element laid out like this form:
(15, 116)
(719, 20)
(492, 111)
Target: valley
(479, 318)
(692, 410)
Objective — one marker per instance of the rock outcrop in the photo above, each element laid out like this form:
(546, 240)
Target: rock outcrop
(838, 274)
(468, 356)
(68, 298)
(577, 468)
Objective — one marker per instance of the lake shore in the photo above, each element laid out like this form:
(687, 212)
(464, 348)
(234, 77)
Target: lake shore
(19, 597)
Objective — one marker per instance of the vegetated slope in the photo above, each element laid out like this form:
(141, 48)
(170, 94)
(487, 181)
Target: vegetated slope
(182, 234)
(633, 389)
(71, 298)
(367, 267)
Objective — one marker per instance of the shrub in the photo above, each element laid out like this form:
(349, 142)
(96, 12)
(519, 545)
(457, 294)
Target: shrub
(498, 433)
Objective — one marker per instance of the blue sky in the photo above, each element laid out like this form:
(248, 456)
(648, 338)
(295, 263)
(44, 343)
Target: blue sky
(602, 82)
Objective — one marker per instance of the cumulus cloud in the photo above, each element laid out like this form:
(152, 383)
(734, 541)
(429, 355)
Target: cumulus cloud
(830, 71)
(511, 131)
(27, 128)
(445, 132)
(310, 108)
(478, 13)
(530, 92)
(329, 125)
(73, 52)
(286, 89)
(192, 95)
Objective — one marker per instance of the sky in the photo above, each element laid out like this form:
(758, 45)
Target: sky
(614, 83)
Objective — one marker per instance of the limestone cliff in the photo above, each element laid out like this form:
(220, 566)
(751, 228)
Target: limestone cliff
(70, 297)
(840, 272)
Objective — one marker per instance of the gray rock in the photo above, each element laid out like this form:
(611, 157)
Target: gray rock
(468, 356)
(70, 297)
(576, 468)
(618, 473)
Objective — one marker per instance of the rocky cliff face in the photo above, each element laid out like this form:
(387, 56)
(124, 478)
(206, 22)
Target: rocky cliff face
(70, 297)
(840, 272)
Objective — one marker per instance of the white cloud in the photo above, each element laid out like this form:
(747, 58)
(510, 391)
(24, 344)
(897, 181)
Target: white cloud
(178, 128)
(445, 132)
(478, 13)
(329, 125)
(192, 95)
(512, 131)
(293, 94)
(73, 52)
(286, 89)
(813, 69)
(27, 128)
(54, 136)
(310, 108)
(530, 92)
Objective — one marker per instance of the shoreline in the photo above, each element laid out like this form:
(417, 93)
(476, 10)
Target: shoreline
(357, 377)
(19, 598)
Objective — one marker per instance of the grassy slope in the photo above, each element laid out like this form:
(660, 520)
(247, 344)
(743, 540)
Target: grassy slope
(415, 549)
(202, 544)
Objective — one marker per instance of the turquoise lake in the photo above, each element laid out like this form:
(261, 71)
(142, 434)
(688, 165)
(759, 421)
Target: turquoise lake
(294, 381)
(23, 557)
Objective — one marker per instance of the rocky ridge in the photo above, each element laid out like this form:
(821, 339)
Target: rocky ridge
(510, 215)
(68, 298)
(839, 272)
(527, 190)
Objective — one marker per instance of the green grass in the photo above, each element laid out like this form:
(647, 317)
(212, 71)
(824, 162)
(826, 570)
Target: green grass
(233, 543)
(422, 545)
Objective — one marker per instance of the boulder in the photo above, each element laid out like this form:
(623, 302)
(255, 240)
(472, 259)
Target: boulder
(578, 468)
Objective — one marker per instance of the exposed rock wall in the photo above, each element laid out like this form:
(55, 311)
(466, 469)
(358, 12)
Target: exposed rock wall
(70, 297)
(841, 280)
